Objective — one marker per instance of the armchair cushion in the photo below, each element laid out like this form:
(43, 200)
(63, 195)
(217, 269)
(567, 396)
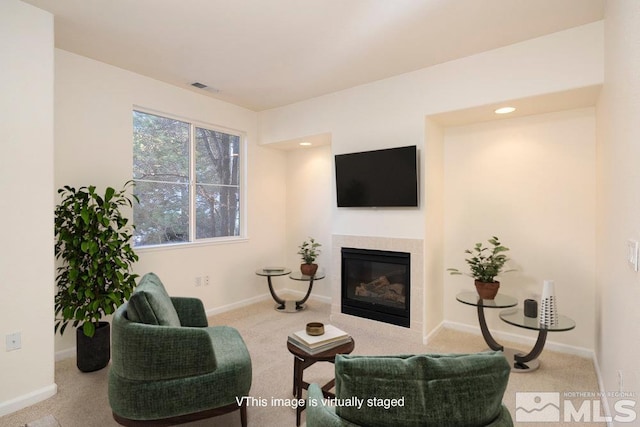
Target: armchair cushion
(452, 390)
(150, 303)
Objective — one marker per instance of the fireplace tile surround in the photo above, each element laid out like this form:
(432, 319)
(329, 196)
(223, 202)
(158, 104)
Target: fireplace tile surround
(413, 247)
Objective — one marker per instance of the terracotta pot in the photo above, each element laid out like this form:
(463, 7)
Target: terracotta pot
(308, 269)
(487, 290)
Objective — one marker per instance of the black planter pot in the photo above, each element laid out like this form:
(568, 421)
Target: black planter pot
(93, 354)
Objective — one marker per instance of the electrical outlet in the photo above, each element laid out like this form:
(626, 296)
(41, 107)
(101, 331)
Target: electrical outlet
(202, 281)
(14, 341)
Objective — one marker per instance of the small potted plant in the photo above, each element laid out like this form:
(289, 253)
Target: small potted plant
(485, 264)
(309, 252)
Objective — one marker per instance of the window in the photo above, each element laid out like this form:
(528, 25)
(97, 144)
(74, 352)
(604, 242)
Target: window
(187, 180)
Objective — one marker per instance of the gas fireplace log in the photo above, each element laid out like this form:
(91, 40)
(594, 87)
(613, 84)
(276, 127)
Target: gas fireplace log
(383, 289)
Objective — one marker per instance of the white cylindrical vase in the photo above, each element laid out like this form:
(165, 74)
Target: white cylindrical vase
(548, 305)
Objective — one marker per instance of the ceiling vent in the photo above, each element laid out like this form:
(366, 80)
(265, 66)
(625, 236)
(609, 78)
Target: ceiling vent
(205, 87)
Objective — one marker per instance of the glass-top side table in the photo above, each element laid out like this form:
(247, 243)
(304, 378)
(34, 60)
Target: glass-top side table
(500, 301)
(285, 305)
(297, 275)
(515, 316)
(270, 272)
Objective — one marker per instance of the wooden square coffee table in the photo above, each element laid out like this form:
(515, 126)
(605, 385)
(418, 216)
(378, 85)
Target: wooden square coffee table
(302, 360)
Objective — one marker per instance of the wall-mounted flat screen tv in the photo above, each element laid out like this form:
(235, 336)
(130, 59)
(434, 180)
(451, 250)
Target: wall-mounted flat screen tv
(379, 178)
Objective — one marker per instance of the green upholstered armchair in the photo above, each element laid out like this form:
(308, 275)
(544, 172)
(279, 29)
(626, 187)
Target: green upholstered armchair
(429, 390)
(168, 366)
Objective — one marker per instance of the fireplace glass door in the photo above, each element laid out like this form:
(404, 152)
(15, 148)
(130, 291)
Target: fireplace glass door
(376, 285)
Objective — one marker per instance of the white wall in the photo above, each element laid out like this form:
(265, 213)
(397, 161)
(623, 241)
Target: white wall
(531, 182)
(308, 211)
(391, 112)
(93, 131)
(618, 343)
(26, 206)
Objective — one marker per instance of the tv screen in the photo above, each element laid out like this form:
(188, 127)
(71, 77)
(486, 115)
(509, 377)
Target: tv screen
(380, 178)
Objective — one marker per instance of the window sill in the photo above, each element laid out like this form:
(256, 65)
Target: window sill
(189, 245)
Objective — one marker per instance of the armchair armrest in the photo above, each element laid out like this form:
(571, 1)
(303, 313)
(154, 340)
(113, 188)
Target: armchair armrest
(321, 415)
(190, 311)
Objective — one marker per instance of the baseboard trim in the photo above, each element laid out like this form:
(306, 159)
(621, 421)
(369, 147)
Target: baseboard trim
(21, 402)
(603, 395)
(299, 295)
(235, 305)
(67, 353)
(520, 339)
(433, 333)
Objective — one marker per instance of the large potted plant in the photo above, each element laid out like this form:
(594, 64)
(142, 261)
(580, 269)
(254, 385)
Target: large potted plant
(93, 244)
(485, 263)
(309, 252)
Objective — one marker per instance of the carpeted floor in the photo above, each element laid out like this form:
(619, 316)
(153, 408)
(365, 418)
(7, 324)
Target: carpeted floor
(81, 400)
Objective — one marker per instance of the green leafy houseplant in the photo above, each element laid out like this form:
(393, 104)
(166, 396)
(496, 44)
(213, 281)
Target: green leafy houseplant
(309, 250)
(486, 262)
(93, 242)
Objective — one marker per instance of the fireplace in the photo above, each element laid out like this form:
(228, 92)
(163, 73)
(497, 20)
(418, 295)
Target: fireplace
(376, 285)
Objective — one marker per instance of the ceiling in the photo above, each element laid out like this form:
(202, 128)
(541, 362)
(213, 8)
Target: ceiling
(557, 101)
(262, 54)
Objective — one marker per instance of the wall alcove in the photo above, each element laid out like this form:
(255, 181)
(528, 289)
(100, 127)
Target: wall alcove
(528, 177)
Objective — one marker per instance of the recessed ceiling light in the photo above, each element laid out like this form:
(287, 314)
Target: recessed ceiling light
(305, 144)
(505, 110)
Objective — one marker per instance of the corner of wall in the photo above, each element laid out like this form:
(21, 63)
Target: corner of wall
(432, 161)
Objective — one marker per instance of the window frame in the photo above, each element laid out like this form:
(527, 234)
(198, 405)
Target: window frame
(192, 183)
